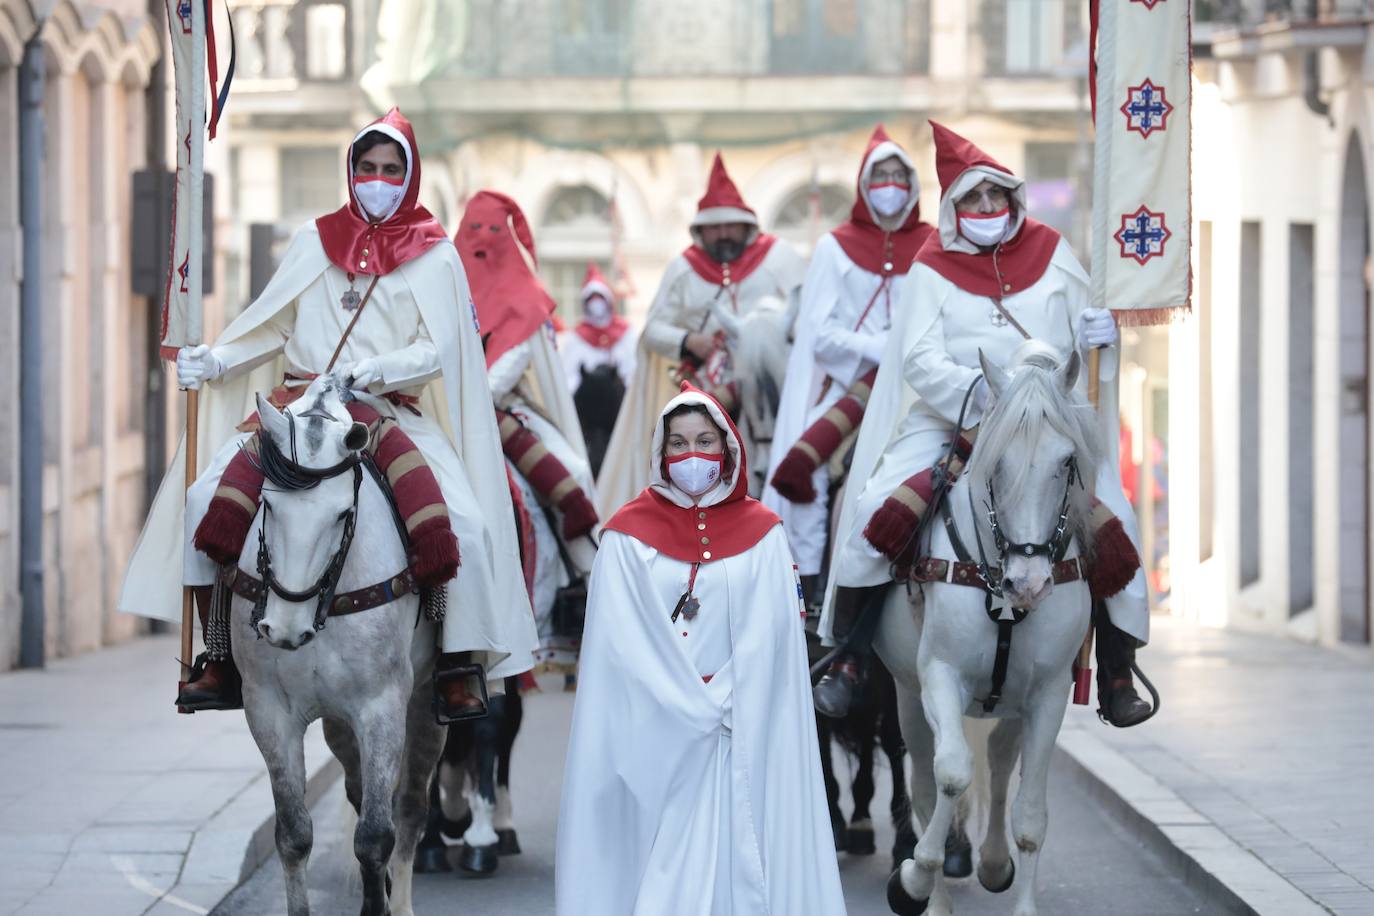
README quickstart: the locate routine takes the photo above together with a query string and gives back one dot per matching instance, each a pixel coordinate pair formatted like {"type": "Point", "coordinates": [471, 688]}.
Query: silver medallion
{"type": "Point", "coordinates": [350, 300]}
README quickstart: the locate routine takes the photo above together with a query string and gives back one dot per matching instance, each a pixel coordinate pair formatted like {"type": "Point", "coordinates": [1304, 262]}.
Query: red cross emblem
{"type": "Point", "coordinates": [1142, 235]}
{"type": "Point", "coordinates": [1146, 108]}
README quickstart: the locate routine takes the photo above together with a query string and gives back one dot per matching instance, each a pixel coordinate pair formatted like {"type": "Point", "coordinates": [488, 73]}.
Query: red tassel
{"type": "Point", "coordinates": [792, 479]}
{"type": "Point", "coordinates": [221, 534]}
{"type": "Point", "coordinates": [579, 515]}
{"type": "Point", "coordinates": [1115, 560]}
{"type": "Point", "coordinates": [434, 557]}
{"type": "Point", "coordinates": [890, 528]}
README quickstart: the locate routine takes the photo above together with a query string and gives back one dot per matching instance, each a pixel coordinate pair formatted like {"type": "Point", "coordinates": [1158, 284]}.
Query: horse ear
{"type": "Point", "coordinates": [995, 375]}
{"type": "Point", "coordinates": [582, 368]}
{"type": "Point", "coordinates": [274, 423]}
{"type": "Point", "coordinates": [1068, 373]}
{"type": "Point", "coordinates": [355, 440]}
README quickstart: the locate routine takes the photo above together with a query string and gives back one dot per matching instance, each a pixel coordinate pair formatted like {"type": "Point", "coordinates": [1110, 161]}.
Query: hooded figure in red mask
{"type": "Point", "coordinates": [540, 434]}
{"type": "Point", "coordinates": [732, 278]}
{"type": "Point", "coordinates": [376, 293]}
{"type": "Point", "coordinates": [847, 305]}
{"type": "Point", "coordinates": [992, 279]}
{"type": "Point", "coordinates": [692, 782]}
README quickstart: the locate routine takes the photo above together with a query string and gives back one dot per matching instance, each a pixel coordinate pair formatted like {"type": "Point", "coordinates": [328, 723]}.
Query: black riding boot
{"type": "Point", "coordinates": [1118, 702]}
{"type": "Point", "coordinates": [214, 681]}
{"type": "Point", "coordinates": [836, 691]}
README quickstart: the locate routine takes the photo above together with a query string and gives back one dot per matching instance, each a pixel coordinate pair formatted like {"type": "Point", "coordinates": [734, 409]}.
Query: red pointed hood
{"type": "Point", "coordinates": [667, 519]}
{"type": "Point", "coordinates": [879, 246]}
{"type": "Point", "coordinates": [493, 240]}
{"type": "Point", "coordinates": [1020, 261]}
{"type": "Point", "coordinates": [596, 284]}
{"type": "Point", "coordinates": [408, 231]}
{"type": "Point", "coordinates": [722, 202]}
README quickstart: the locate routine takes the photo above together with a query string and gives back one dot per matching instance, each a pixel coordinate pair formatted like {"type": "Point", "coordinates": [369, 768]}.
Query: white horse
{"type": "Point", "coordinates": [1020, 496]}
{"type": "Point", "coordinates": [759, 347]}
{"type": "Point", "coordinates": [367, 674]}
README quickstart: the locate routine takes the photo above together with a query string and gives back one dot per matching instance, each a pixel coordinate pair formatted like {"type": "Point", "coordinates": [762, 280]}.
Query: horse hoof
{"type": "Point", "coordinates": [861, 842]}
{"type": "Point", "coordinates": [899, 901]}
{"type": "Point", "coordinates": [507, 844]}
{"type": "Point", "coordinates": [959, 862]}
{"type": "Point", "coordinates": [430, 860]}
{"type": "Point", "coordinates": [1005, 886]}
{"type": "Point", "coordinates": [478, 861]}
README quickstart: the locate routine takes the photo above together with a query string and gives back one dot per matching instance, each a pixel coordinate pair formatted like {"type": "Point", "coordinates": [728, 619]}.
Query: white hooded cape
{"type": "Point", "coordinates": [678, 791]}
{"type": "Point", "coordinates": [459, 400]}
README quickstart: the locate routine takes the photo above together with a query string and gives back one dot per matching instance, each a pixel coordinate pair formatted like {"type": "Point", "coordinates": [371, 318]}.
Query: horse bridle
{"type": "Point", "coordinates": [290, 474]}
{"type": "Point", "coordinates": [1052, 549]}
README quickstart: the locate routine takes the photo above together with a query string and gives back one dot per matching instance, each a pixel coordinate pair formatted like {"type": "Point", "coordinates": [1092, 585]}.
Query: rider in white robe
{"type": "Point", "coordinates": [527, 380]}
{"type": "Point", "coordinates": [601, 338]}
{"type": "Point", "coordinates": [846, 310]}
{"type": "Point", "coordinates": [692, 784]}
{"type": "Point", "coordinates": [680, 315]}
{"type": "Point", "coordinates": [930, 363]}
{"type": "Point", "coordinates": [415, 336]}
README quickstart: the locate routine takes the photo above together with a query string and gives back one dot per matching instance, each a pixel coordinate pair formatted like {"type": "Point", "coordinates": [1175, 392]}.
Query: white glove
{"type": "Point", "coordinates": [1096, 328]}
{"type": "Point", "coordinates": [982, 394]}
{"type": "Point", "coordinates": [873, 346]}
{"type": "Point", "coordinates": [196, 365]}
{"type": "Point", "coordinates": [363, 373]}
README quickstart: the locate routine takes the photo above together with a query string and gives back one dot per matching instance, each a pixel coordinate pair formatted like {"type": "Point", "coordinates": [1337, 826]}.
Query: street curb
{"type": "Point", "coordinates": [1231, 878]}
{"type": "Point", "coordinates": [229, 848]}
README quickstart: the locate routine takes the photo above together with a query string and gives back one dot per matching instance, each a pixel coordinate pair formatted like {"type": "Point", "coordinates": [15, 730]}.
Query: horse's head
{"type": "Point", "coordinates": [309, 456]}
{"type": "Point", "coordinates": [1034, 465]}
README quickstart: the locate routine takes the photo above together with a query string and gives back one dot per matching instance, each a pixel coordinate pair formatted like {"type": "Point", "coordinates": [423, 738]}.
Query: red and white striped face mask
{"type": "Point", "coordinates": [695, 472]}
{"type": "Point", "coordinates": [889, 197]}
{"type": "Point", "coordinates": [985, 230]}
{"type": "Point", "coordinates": [378, 194]}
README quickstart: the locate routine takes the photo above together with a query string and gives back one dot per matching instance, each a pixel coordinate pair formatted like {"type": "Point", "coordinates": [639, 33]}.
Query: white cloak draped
{"type": "Point", "coordinates": [489, 611]}
{"type": "Point", "coordinates": [577, 355]}
{"type": "Point", "coordinates": [686, 798]}
{"type": "Point", "coordinates": [930, 361]}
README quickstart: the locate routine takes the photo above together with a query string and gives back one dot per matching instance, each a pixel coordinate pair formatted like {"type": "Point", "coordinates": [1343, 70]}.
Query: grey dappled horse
{"type": "Point", "coordinates": [366, 674]}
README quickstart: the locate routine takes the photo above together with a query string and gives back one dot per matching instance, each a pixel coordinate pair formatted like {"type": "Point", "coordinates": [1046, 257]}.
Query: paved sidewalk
{"type": "Point", "coordinates": [111, 803]}
{"type": "Point", "coordinates": [1259, 769]}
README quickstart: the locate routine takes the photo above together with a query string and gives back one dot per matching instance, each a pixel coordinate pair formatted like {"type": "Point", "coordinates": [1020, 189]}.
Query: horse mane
{"type": "Point", "coordinates": [1030, 401]}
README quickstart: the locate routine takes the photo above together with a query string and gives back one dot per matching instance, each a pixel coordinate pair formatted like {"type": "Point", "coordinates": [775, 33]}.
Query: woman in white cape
{"type": "Point", "coordinates": [693, 787]}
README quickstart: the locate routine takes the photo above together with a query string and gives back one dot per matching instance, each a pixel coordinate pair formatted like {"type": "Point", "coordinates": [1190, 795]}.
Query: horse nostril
{"type": "Point", "coordinates": [307, 636]}
{"type": "Point", "coordinates": [265, 630]}
{"type": "Point", "coordinates": [1008, 585]}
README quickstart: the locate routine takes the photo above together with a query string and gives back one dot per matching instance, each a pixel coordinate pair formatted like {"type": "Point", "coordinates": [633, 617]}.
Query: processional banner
{"type": "Point", "coordinates": [191, 29]}
{"type": "Point", "coordinates": [1142, 183]}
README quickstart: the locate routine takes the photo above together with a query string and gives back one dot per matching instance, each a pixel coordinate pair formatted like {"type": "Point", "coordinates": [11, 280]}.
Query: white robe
{"type": "Point", "coordinates": [577, 355]}
{"type": "Point", "coordinates": [686, 798]}
{"type": "Point", "coordinates": [528, 381]}
{"type": "Point", "coordinates": [683, 305]}
{"type": "Point", "coordinates": [835, 344]}
{"type": "Point", "coordinates": [421, 324]}
{"type": "Point", "coordinates": [930, 361]}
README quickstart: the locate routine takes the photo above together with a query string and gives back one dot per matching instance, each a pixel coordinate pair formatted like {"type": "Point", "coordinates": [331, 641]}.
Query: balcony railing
{"type": "Point", "coordinates": [1243, 13]}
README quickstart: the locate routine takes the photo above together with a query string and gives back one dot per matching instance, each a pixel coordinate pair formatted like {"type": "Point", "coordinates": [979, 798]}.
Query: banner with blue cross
{"type": "Point", "coordinates": [1142, 192]}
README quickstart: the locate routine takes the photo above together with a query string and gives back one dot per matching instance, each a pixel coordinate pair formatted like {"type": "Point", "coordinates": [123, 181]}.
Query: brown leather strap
{"type": "Point", "coordinates": [930, 569]}
{"type": "Point", "coordinates": [246, 585]}
{"type": "Point", "coordinates": [356, 315]}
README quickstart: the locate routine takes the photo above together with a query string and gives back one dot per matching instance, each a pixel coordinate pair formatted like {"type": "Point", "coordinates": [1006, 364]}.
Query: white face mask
{"type": "Point", "coordinates": [598, 311]}
{"type": "Point", "coordinates": [377, 195]}
{"type": "Point", "coordinates": [888, 198]}
{"type": "Point", "coordinates": [985, 231]}
{"type": "Point", "coordinates": [695, 472]}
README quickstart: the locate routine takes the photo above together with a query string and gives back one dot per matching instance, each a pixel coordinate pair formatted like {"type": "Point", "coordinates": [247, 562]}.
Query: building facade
{"type": "Point", "coordinates": [98, 59]}
{"type": "Point", "coordinates": [1268, 419]}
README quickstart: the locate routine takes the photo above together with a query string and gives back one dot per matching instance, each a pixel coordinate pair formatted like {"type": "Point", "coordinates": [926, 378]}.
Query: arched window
{"type": "Point", "coordinates": [809, 212]}
{"type": "Point", "coordinates": [575, 228]}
